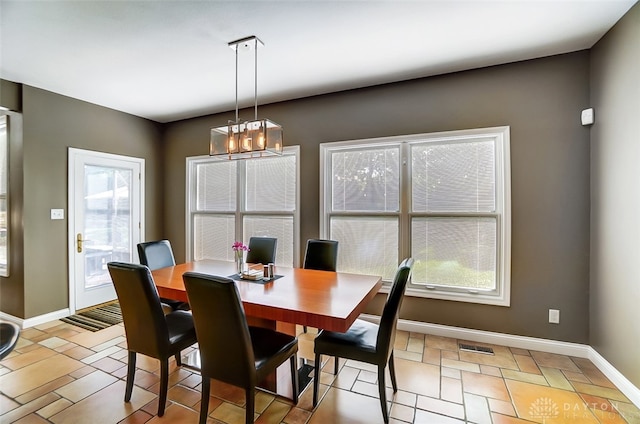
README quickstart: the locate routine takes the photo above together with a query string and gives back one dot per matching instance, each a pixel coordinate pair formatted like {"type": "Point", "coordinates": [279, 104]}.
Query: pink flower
{"type": "Point", "coordinates": [239, 246]}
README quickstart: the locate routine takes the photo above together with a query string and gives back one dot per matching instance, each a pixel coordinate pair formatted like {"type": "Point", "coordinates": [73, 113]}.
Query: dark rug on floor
{"type": "Point", "coordinates": [97, 318]}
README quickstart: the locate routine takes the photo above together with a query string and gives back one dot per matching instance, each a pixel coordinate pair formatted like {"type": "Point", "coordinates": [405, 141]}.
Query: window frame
{"type": "Point", "coordinates": [241, 211]}
{"type": "Point", "coordinates": [501, 138]}
{"type": "Point", "coordinates": [5, 127]}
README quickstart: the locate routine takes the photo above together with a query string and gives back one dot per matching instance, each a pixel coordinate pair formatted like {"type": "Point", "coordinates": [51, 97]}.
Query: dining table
{"type": "Point", "coordinates": [294, 296]}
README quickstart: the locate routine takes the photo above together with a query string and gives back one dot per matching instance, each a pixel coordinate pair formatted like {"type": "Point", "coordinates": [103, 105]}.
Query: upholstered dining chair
{"type": "Point", "coordinates": [148, 330]}
{"type": "Point", "coordinates": [320, 254]}
{"type": "Point", "coordinates": [367, 342]}
{"type": "Point", "coordinates": [262, 250]}
{"type": "Point", "coordinates": [9, 334]}
{"type": "Point", "coordinates": [230, 350]}
{"type": "Point", "coordinates": [159, 254]}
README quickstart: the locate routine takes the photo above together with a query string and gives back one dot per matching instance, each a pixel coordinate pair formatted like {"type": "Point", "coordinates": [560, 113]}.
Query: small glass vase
{"type": "Point", "coordinates": [239, 263]}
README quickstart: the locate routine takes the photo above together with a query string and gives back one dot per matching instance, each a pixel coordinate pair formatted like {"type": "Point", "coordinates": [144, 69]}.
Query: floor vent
{"type": "Point", "coordinates": [476, 349]}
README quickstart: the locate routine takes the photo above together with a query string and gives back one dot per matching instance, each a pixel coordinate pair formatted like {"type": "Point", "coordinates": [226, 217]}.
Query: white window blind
{"type": "Point", "coordinates": [235, 200]}
{"type": "Point", "coordinates": [442, 199]}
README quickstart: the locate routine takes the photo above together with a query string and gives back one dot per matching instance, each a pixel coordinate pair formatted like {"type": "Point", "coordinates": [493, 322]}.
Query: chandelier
{"type": "Point", "coordinates": [246, 139]}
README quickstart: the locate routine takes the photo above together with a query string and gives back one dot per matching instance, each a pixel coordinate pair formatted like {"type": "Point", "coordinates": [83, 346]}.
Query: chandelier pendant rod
{"type": "Point", "coordinates": [255, 82]}
{"type": "Point", "coordinates": [237, 117]}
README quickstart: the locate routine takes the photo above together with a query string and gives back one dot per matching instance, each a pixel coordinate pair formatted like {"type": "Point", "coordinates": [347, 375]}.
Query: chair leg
{"type": "Point", "coordinates": [382, 393]}
{"type": "Point", "coordinates": [304, 328]}
{"type": "Point", "coordinates": [179, 359]}
{"type": "Point", "coordinates": [131, 373]}
{"type": "Point", "coordinates": [316, 379]}
{"type": "Point", "coordinates": [164, 385]}
{"type": "Point", "coordinates": [392, 371]}
{"type": "Point", "coordinates": [250, 395]}
{"type": "Point", "coordinates": [204, 402]}
{"type": "Point", "coordinates": [336, 366]}
{"type": "Point", "coordinates": [294, 378]}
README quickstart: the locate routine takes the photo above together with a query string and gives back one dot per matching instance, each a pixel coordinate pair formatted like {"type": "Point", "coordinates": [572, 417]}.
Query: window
{"type": "Point", "coordinates": [4, 197]}
{"type": "Point", "coordinates": [235, 200]}
{"type": "Point", "coordinates": [443, 199]}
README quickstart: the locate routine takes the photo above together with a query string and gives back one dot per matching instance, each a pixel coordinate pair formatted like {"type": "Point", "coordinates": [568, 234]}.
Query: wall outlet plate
{"type": "Point", "coordinates": [57, 213]}
{"type": "Point", "coordinates": [587, 116]}
{"type": "Point", "coordinates": [554, 316]}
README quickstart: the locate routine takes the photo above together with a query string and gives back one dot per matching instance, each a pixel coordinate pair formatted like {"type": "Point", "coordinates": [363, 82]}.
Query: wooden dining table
{"type": "Point", "coordinates": [312, 298]}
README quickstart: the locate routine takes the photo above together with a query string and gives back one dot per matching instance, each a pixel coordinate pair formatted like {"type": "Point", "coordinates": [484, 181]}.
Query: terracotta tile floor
{"type": "Point", "coordinates": [60, 373]}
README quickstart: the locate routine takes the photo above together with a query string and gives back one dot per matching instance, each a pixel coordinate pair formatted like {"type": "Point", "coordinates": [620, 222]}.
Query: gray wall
{"type": "Point", "coordinates": [540, 99]}
{"type": "Point", "coordinates": [614, 317]}
{"type": "Point", "coordinates": [52, 123]}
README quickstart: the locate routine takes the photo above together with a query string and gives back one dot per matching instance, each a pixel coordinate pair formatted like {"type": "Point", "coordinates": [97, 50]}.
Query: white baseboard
{"type": "Point", "coordinates": [616, 377]}
{"type": "Point", "coordinates": [524, 342]}
{"type": "Point", "coordinates": [40, 319]}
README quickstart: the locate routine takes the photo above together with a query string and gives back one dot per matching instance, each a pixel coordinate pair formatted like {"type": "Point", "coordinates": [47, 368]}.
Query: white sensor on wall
{"type": "Point", "coordinates": [587, 116]}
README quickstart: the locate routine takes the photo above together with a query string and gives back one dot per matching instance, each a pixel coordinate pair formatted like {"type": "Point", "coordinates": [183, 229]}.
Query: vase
{"type": "Point", "coordinates": [239, 263]}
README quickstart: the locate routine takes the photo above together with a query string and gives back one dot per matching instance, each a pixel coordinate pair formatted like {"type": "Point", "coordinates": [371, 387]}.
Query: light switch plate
{"type": "Point", "coordinates": [57, 213]}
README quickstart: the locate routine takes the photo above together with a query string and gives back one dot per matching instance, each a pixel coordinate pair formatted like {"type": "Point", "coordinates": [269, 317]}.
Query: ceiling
{"type": "Point", "coordinates": [167, 60]}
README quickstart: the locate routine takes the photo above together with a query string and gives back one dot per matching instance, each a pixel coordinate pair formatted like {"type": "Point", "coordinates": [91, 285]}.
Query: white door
{"type": "Point", "coordinates": [105, 221]}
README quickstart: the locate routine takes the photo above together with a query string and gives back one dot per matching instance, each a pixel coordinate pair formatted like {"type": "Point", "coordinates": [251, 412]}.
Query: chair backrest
{"type": "Point", "coordinates": [262, 250]}
{"type": "Point", "coordinates": [144, 322]}
{"type": "Point", "coordinates": [321, 254]}
{"type": "Point", "coordinates": [156, 254]}
{"type": "Point", "coordinates": [226, 352]}
{"type": "Point", "coordinates": [389, 318]}
{"type": "Point", "coordinates": [9, 334]}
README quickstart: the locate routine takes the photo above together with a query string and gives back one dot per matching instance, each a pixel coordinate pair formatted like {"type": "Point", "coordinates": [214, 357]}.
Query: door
{"type": "Point", "coordinates": [105, 221]}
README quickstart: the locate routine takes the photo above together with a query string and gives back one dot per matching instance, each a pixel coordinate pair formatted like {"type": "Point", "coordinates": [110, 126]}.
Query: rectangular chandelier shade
{"type": "Point", "coordinates": [246, 140]}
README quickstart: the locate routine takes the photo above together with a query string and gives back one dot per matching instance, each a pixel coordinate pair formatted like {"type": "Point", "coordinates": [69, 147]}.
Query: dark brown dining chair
{"type": "Point", "coordinates": [262, 250]}
{"type": "Point", "coordinates": [322, 255]}
{"type": "Point", "coordinates": [9, 334]}
{"type": "Point", "coordinates": [148, 330]}
{"type": "Point", "coordinates": [368, 342]}
{"type": "Point", "coordinates": [230, 350]}
{"type": "Point", "coordinates": [159, 254]}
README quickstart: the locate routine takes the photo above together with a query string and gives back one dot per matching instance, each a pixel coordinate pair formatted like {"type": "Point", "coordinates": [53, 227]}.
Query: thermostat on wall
{"type": "Point", "coordinates": [587, 116]}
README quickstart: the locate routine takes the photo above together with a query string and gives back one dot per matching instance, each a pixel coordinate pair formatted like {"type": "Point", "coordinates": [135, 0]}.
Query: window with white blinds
{"type": "Point", "coordinates": [443, 199]}
{"type": "Point", "coordinates": [235, 200]}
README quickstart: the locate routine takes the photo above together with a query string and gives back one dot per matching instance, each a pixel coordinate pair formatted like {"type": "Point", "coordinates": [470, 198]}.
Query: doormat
{"type": "Point", "coordinates": [97, 318]}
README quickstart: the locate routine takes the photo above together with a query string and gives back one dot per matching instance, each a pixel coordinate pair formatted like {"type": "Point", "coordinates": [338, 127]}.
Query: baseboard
{"type": "Point", "coordinates": [523, 342]}
{"type": "Point", "coordinates": [616, 377]}
{"type": "Point", "coordinates": [40, 319]}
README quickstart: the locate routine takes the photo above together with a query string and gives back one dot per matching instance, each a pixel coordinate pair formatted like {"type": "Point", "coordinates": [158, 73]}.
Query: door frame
{"type": "Point", "coordinates": [71, 213]}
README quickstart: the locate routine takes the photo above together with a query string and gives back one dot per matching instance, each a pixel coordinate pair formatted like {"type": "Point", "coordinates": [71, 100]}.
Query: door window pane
{"type": "Point", "coordinates": [107, 221]}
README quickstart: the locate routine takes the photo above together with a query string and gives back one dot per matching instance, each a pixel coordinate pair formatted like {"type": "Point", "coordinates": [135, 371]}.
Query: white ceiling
{"type": "Point", "coordinates": [168, 60]}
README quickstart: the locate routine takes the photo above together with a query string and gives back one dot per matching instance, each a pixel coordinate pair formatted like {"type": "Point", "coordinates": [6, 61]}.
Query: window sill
{"type": "Point", "coordinates": [478, 298]}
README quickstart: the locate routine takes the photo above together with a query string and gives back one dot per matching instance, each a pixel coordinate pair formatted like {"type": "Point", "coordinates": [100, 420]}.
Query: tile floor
{"type": "Point", "coordinates": [60, 373]}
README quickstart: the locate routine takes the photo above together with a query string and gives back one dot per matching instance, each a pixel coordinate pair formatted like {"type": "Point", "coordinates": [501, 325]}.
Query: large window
{"type": "Point", "coordinates": [441, 198]}
{"type": "Point", "coordinates": [4, 196]}
{"type": "Point", "coordinates": [235, 200]}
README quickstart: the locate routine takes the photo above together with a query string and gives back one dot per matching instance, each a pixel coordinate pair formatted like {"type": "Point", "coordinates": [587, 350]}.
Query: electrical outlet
{"type": "Point", "coordinates": [554, 316]}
